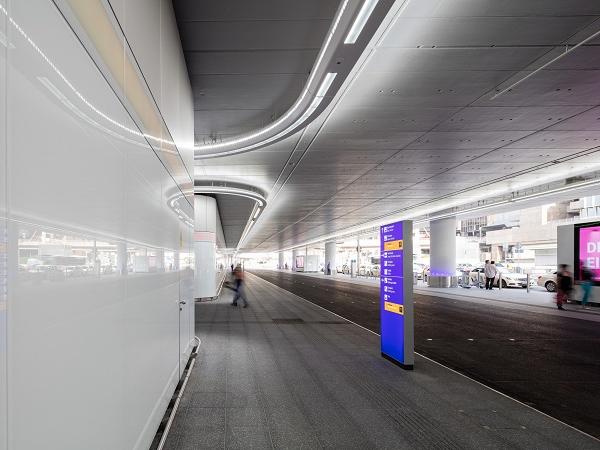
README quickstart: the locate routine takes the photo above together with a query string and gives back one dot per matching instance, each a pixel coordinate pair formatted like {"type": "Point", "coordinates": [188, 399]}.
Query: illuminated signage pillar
{"type": "Point", "coordinates": [396, 289]}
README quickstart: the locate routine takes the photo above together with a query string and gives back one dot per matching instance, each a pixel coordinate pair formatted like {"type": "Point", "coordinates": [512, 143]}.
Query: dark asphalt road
{"type": "Point", "coordinates": [549, 362]}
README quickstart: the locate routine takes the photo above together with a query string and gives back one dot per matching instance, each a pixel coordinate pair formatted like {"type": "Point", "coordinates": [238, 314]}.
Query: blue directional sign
{"type": "Point", "coordinates": [395, 295]}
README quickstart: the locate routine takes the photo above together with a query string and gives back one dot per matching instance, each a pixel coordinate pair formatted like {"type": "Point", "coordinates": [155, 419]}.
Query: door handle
{"type": "Point", "coordinates": [182, 302]}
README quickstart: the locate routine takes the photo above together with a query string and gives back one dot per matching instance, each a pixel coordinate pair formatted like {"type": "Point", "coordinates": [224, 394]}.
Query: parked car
{"type": "Point", "coordinates": [419, 269]}
{"type": "Point", "coordinates": [369, 271]}
{"type": "Point", "coordinates": [548, 280]}
{"type": "Point", "coordinates": [375, 271]}
{"type": "Point", "coordinates": [509, 279]}
{"type": "Point", "coordinates": [345, 269]}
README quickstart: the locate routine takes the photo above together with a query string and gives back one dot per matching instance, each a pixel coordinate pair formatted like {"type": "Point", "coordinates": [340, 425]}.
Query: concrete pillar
{"type": "Point", "coordinates": [160, 260]}
{"type": "Point", "coordinates": [330, 254]}
{"type": "Point", "coordinates": [281, 263]}
{"type": "Point", "coordinates": [443, 253]}
{"type": "Point", "coordinates": [294, 254]}
{"type": "Point", "coordinates": [205, 238]}
{"type": "Point", "coordinates": [122, 258]}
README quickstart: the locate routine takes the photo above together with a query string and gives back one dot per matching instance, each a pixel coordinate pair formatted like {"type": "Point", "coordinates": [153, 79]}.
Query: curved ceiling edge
{"type": "Point", "coordinates": [238, 189]}
{"type": "Point", "coordinates": [352, 28]}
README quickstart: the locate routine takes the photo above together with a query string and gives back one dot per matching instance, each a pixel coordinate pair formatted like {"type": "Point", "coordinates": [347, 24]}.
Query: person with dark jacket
{"type": "Point", "coordinates": [240, 291]}
{"type": "Point", "coordinates": [564, 285]}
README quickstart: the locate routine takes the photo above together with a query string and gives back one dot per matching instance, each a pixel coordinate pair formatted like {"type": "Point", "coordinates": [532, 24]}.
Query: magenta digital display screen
{"type": "Point", "coordinates": [587, 250]}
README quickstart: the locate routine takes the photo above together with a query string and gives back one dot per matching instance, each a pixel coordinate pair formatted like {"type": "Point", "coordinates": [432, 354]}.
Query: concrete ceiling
{"type": "Point", "coordinates": [418, 125]}
{"type": "Point", "coordinates": [234, 212]}
{"type": "Point", "coordinates": [248, 60]}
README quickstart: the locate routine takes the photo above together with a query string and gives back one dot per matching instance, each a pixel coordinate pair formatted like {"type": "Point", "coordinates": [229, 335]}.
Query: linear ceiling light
{"type": "Point", "coordinates": [326, 84]}
{"type": "Point", "coordinates": [360, 21]}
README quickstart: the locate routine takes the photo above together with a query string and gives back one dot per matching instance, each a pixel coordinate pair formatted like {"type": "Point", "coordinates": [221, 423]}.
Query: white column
{"type": "Point", "coordinates": [205, 233]}
{"type": "Point", "coordinates": [442, 252]}
{"type": "Point", "coordinates": [281, 262]}
{"type": "Point", "coordinates": [294, 254]}
{"type": "Point", "coordinates": [330, 253]}
{"type": "Point", "coordinates": [160, 260]}
{"type": "Point", "coordinates": [122, 258]}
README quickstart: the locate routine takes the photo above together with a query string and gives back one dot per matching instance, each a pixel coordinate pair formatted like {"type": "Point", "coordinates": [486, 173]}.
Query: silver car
{"type": "Point", "coordinates": [548, 280]}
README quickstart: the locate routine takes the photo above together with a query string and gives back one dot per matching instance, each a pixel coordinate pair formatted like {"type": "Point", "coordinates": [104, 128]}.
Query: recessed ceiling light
{"type": "Point", "coordinates": [360, 21]}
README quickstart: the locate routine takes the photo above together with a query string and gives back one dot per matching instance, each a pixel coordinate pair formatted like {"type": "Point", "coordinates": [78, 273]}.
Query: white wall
{"type": "Point", "coordinates": [3, 241]}
{"type": "Point", "coordinates": [152, 32]}
{"type": "Point", "coordinates": [93, 355]}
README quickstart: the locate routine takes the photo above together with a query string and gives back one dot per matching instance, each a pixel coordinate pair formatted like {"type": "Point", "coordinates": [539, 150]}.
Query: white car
{"type": "Point", "coordinates": [548, 280]}
{"type": "Point", "coordinates": [509, 279]}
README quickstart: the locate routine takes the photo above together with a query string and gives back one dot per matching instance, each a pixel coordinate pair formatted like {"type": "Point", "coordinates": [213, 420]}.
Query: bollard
{"type": "Point", "coordinates": [500, 282]}
{"type": "Point", "coordinates": [528, 283]}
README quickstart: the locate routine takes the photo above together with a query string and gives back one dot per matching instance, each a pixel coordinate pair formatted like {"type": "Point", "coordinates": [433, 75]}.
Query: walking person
{"type": "Point", "coordinates": [586, 286]}
{"type": "Point", "coordinates": [490, 274]}
{"type": "Point", "coordinates": [239, 287]}
{"type": "Point", "coordinates": [564, 285]}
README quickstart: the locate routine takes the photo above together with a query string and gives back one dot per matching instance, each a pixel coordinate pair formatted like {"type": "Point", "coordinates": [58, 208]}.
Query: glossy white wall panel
{"type": "Point", "coordinates": [93, 355]}
{"type": "Point", "coordinates": [141, 24]}
{"type": "Point", "coordinates": [176, 98]}
{"type": "Point", "coordinates": [60, 398]}
{"type": "Point", "coordinates": [3, 241]}
{"type": "Point", "coordinates": [152, 33]}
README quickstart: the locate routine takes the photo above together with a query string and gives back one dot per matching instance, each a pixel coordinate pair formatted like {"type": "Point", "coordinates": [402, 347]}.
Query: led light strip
{"type": "Point", "coordinates": [296, 105]}
{"type": "Point", "coordinates": [360, 21]}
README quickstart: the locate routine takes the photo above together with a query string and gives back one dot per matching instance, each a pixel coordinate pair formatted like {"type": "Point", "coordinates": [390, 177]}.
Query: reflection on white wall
{"type": "Point", "coordinates": [98, 260]}
{"type": "Point", "coordinates": [4, 46]}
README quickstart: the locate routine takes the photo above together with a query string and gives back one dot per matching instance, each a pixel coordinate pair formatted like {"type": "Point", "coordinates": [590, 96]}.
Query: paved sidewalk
{"type": "Point", "coordinates": [285, 373]}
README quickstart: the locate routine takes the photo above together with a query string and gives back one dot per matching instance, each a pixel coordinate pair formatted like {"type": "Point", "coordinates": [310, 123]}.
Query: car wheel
{"type": "Point", "coordinates": [550, 286]}
{"type": "Point", "coordinates": [504, 284]}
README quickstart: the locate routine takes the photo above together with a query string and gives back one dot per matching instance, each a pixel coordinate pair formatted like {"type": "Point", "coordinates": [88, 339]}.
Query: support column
{"type": "Point", "coordinates": [205, 233]}
{"type": "Point", "coordinates": [122, 258]}
{"type": "Point", "coordinates": [442, 250]}
{"type": "Point", "coordinates": [160, 260]}
{"type": "Point", "coordinates": [330, 254]}
{"type": "Point", "coordinates": [281, 262]}
{"type": "Point", "coordinates": [294, 254]}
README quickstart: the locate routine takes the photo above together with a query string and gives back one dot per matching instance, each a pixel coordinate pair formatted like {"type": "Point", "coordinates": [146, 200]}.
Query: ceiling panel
{"type": "Point", "coordinates": [248, 61]}
{"type": "Point", "coordinates": [243, 10]}
{"type": "Point", "coordinates": [559, 140]}
{"type": "Point", "coordinates": [394, 60]}
{"type": "Point", "coordinates": [587, 121]}
{"type": "Point", "coordinates": [504, 8]}
{"type": "Point", "coordinates": [509, 118]}
{"type": "Point", "coordinates": [484, 31]}
{"type": "Point", "coordinates": [254, 62]}
{"type": "Point", "coordinates": [253, 35]}
{"type": "Point", "coordinates": [550, 87]}
{"type": "Point", "coordinates": [422, 89]}
{"type": "Point", "coordinates": [461, 140]}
